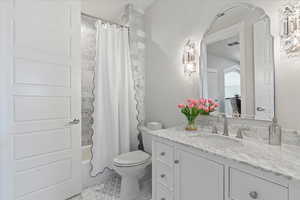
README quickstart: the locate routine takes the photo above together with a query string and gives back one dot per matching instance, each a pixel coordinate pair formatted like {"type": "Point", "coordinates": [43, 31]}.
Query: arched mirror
{"type": "Point", "coordinates": [237, 63]}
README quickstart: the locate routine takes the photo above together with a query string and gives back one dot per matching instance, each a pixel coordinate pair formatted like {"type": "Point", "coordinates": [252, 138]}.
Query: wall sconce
{"type": "Point", "coordinates": [189, 58]}
{"type": "Point", "coordinates": [290, 28]}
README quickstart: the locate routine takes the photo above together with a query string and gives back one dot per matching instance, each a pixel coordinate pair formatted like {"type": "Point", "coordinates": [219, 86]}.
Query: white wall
{"type": "Point", "coordinates": [216, 62]}
{"type": "Point", "coordinates": [5, 142]}
{"type": "Point", "coordinates": [109, 10]}
{"type": "Point", "coordinates": [112, 10]}
{"type": "Point", "coordinates": [169, 24]}
{"type": "Point", "coordinates": [220, 64]}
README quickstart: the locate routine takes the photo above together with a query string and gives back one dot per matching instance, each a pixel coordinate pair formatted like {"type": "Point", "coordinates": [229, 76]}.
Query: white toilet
{"type": "Point", "coordinates": [132, 166]}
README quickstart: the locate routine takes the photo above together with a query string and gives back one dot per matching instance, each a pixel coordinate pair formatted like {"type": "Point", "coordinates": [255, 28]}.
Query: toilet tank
{"type": "Point", "coordinates": [147, 140]}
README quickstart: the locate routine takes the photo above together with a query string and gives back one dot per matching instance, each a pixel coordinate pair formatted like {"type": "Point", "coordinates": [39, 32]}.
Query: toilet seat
{"type": "Point", "coordinates": [130, 159]}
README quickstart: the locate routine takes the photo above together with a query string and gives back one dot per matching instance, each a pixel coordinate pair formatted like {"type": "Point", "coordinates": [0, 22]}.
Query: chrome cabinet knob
{"type": "Point", "coordinates": [162, 153]}
{"type": "Point", "coordinates": [74, 121]}
{"type": "Point", "coordinates": [253, 195]}
{"type": "Point", "coordinates": [162, 175]}
{"type": "Point", "coordinates": [176, 161]}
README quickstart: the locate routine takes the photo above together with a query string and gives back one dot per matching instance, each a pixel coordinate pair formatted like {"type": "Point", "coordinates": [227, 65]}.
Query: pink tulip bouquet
{"type": "Point", "coordinates": [195, 107]}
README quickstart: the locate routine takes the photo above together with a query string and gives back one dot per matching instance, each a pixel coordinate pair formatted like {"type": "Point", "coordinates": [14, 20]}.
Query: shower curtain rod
{"type": "Point", "coordinates": [104, 20]}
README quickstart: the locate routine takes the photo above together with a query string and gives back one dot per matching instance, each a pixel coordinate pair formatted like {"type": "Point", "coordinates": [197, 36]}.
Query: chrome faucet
{"type": "Point", "coordinates": [239, 133]}
{"type": "Point", "coordinates": [225, 130]}
{"type": "Point", "coordinates": [214, 129]}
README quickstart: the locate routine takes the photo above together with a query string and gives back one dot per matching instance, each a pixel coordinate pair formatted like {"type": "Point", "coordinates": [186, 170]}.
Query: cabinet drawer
{"type": "Point", "coordinates": [163, 193]}
{"type": "Point", "coordinates": [164, 175]}
{"type": "Point", "coordinates": [244, 186]}
{"type": "Point", "coordinates": [164, 153]}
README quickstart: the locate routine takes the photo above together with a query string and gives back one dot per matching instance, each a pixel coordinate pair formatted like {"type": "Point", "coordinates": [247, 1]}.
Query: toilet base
{"type": "Point", "coordinates": [130, 175]}
{"type": "Point", "coordinates": [130, 188]}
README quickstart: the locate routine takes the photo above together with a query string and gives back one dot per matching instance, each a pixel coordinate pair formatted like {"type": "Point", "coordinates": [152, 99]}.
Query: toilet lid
{"type": "Point", "coordinates": [132, 158]}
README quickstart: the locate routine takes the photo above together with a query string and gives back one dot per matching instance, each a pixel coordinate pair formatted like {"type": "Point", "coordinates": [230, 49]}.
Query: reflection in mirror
{"type": "Point", "coordinates": [237, 64]}
{"type": "Point", "coordinates": [223, 74]}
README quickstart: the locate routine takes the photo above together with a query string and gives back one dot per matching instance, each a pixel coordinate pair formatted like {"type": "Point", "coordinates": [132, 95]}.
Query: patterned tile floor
{"type": "Point", "coordinates": [110, 190]}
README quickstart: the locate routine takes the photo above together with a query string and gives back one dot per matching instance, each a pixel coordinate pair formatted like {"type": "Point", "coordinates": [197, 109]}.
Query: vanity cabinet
{"type": "Point", "coordinates": [197, 178]}
{"type": "Point", "coordinates": [184, 173]}
{"type": "Point", "coordinates": [179, 175]}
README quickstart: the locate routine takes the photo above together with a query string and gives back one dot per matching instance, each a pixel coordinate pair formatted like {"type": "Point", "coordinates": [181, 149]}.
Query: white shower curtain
{"type": "Point", "coordinates": [115, 106]}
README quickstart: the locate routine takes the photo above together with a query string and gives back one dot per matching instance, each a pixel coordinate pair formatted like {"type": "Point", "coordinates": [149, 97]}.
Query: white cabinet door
{"type": "Point", "coordinates": [244, 186]}
{"type": "Point", "coordinates": [197, 178]}
{"type": "Point", "coordinates": [44, 96]}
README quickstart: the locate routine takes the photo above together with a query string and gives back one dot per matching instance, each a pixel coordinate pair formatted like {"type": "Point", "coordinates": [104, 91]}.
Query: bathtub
{"type": "Point", "coordinates": [86, 154]}
{"type": "Point", "coordinates": [87, 180]}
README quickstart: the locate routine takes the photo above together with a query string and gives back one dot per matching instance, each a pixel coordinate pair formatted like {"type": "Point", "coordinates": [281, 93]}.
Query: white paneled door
{"type": "Point", "coordinates": [44, 99]}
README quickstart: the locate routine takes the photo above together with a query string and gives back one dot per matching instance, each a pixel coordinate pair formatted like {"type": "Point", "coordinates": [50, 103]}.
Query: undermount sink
{"type": "Point", "coordinates": [222, 141]}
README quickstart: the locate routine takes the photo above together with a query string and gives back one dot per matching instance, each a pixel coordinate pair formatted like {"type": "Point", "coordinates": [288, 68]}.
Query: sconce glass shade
{"type": "Point", "coordinates": [290, 28]}
{"type": "Point", "coordinates": [189, 58]}
{"type": "Point", "coordinates": [189, 69]}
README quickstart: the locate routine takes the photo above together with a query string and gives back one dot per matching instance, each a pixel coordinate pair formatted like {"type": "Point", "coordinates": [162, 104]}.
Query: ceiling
{"type": "Point", "coordinates": [222, 49]}
{"type": "Point", "coordinates": [112, 9]}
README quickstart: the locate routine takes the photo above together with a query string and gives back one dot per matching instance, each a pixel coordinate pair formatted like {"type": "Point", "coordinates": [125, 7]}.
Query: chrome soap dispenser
{"type": "Point", "coordinates": [275, 133]}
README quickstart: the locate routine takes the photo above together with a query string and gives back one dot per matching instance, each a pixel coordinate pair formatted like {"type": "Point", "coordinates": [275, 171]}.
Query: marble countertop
{"type": "Point", "coordinates": [281, 160]}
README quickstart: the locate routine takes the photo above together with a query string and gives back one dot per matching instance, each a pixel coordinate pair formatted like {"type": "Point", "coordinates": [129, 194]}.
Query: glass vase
{"type": "Point", "coordinates": [191, 126]}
